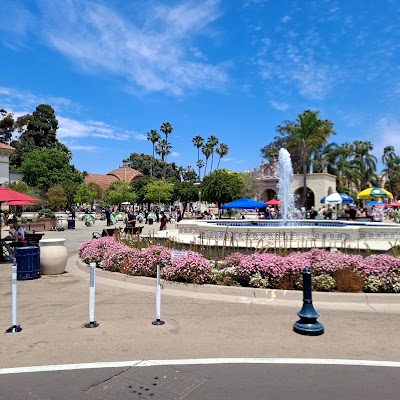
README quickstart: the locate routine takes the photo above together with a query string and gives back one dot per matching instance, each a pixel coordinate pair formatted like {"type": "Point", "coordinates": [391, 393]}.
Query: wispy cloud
{"type": "Point", "coordinates": [21, 102]}
{"type": "Point", "coordinates": [280, 106]}
{"type": "Point", "coordinates": [151, 49]}
{"type": "Point", "coordinates": [386, 133]}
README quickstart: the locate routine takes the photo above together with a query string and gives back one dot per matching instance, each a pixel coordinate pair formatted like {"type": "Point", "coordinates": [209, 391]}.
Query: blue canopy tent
{"type": "Point", "coordinates": [244, 204]}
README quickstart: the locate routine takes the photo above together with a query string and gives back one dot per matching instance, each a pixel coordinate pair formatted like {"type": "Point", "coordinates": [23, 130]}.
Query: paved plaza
{"type": "Point", "coordinates": [217, 343]}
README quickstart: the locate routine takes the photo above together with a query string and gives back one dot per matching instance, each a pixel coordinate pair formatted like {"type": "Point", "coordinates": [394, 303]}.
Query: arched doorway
{"type": "Point", "coordinates": [268, 194]}
{"type": "Point", "coordinates": [298, 198]}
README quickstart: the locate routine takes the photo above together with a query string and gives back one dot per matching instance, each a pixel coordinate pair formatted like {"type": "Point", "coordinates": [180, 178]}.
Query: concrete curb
{"type": "Point", "coordinates": [292, 296]}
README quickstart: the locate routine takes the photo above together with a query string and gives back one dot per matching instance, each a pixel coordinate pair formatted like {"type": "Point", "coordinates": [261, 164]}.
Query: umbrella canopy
{"type": "Point", "coordinates": [7, 194]}
{"type": "Point", "coordinates": [273, 202]}
{"type": "Point", "coordinates": [393, 204]}
{"type": "Point", "coordinates": [374, 203]}
{"type": "Point", "coordinates": [244, 204]}
{"type": "Point", "coordinates": [19, 203]}
{"type": "Point", "coordinates": [337, 198]}
{"type": "Point", "coordinates": [374, 192]}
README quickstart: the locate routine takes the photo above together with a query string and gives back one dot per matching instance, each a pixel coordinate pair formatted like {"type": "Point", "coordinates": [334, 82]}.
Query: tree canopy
{"type": "Point", "coordinates": [221, 186]}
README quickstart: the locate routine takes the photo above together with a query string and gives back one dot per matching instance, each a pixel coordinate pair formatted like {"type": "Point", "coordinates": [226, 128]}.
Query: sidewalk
{"type": "Point", "coordinates": [201, 322]}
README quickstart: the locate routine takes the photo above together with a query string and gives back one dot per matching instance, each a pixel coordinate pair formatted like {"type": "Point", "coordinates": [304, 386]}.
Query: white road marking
{"type": "Point", "coordinates": [201, 361]}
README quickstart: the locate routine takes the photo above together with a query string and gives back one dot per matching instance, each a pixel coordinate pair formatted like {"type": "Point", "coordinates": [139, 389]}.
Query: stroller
{"type": "Point", "coordinates": [89, 219]}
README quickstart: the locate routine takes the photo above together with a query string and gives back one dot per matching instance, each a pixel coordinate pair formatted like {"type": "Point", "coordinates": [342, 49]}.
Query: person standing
{"type": "Point", "coordinates": [108, 216]}
{"type": "Point", "coordinates": [163, 221]}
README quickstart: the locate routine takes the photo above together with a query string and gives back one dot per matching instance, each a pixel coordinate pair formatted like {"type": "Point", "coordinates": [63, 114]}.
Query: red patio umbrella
{"type": "Point", "coordinates": [7, 194]}
{"type": "Point", "coordinates": [19, 203]}
{"type": "Point", "coordinates": [393, 204]}
{"type": "Point", "coordinates": [273, 202]}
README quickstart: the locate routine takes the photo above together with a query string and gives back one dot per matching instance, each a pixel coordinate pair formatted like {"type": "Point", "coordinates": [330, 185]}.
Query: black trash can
{"type": "Point", "coordinates": [71, 224]}
{"type": "Point", "coordinates": [28, 262]}
{"type": "Point", "coordinates": [150, 221]}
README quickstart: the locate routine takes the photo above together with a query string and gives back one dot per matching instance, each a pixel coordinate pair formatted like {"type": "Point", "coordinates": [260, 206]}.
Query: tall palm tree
{"type": "Point", "coordinates": [222, 150]}
{"type": "Point", "coordinates": [304, 135]}
{"type": "Point", "coordinates": [163, 149]}
{"type": "Point", "coordinates": [212, 141]}
{"type": "Point", "coordinates": [364, 163]}
{"type": "Point", "coordinates": [200, 164]}
{"type": "Point", "coordinates": [166, 128]}
{"type": "Point", "coordinates": [387, 158]}
{"type": "Point", "coordinates": [198, 142]}
{"type": "Point", "coordinates": [153, 136]}
{"type": "Point", "coordinates": [207, 151]}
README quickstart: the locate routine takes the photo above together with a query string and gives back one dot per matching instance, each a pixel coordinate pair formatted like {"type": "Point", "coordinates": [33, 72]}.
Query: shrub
{"type": "Point", "coordinates": [46, 213]}
{"type": "Point", "coordinates": [323, 283]}
{"type": "Point", "coordinates": [348, 280]}
{"type": "Point", "coordinates": [258, 281]}
{"type": "Point", "coordinates": [194, 268]}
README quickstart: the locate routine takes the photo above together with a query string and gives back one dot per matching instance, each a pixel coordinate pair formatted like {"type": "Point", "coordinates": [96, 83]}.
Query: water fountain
{"type": "Point", "coordinates": [285, 190]}
{"type": "Point", "coordinates": [286, 232]}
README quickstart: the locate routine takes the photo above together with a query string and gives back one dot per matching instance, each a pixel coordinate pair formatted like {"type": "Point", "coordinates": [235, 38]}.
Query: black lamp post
{"type": "Point", "coordinates": [308, 324]}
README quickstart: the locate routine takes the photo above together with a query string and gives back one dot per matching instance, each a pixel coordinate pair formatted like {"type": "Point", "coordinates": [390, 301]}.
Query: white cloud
{"type": "Point", "coordinates": [154, 54]}
{"type": "Point", "coordinates": [175, 154]}
{"type": "Point", "coordinates": [280, 106]}
{"type": "Point", "coordinates": [386, 133]}
{"type": "Point", "coordinates": [141, 137]}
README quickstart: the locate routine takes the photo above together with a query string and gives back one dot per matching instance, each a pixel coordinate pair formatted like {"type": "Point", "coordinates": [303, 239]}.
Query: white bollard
{"type": "Point", "coordinates": [92, 289]}
{"type": "Point", "coordinates": [14, 327]}
{"type": "Point", "coordinates": [158, 299]}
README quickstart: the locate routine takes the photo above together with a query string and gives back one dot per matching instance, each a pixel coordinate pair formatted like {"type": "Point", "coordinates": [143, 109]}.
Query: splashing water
{"type": "Point", "coordinates": [285, 190]}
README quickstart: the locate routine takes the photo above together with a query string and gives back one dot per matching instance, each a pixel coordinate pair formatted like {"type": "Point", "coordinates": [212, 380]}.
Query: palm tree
{"type": "Point", "coordinates": [163, 149]}
{"type": "Point", "coordinates": [364, 164]}
{"type": "Point", "coordinates": [153, 136]}
{"type": "Point", "coordinates": [198, 142]}
{"type": "Point", "coordinates": [166, 128]}
{"type": "Point", "coordinates": [305, 135]}
{"type": "Point", "coordinates": [387, 158]}
{"type": "Point", "coordinates": [200, 164]}
{"type": "Point", "coordinates": [207, 151]}
{"type": "Point", "coordinates": [212, 141]}
{"type": "Point", "coordinates": [222, 150]}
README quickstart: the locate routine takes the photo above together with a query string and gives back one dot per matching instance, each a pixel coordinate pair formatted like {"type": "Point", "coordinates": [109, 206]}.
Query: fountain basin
{"type": "Point", "coordinates": [255, 233]}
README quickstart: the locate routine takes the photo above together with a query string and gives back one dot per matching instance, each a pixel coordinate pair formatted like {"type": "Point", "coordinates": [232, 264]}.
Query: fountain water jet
{"type": "Point", "coordinates": [285, 190]}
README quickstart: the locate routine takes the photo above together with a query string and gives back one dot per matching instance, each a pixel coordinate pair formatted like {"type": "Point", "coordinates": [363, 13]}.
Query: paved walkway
{"type": "Point", "coordinates": [201, 323]}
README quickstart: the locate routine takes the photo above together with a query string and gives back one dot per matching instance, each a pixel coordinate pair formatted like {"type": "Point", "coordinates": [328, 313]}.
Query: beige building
{"type": "Point", "coordinates": [266, 180]}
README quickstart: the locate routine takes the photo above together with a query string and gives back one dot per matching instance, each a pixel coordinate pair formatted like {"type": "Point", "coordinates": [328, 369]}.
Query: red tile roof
{"type": "Point", "coordinates": [124, 173]}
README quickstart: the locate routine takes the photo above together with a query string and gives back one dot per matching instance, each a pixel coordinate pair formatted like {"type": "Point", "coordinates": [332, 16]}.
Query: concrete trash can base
{"type": "Point", "coordinates": [28, 262]}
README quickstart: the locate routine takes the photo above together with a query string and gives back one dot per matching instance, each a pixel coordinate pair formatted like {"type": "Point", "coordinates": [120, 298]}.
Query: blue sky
{"type": "Point", "coordinates": [113, 70]}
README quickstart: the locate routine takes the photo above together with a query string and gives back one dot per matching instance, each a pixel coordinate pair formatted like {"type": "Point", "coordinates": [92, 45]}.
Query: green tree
{"type": "Point", "coordinates": [7, 126]}
{"type": "Point", "coordinates": [198, 141]}
{"type": "Point", "coordinates": [186, 192]}
{"type": "Point", "coordinates": [222, 150]}
{"type": "Point", "coordinates": [46, 167]}
{"type": "Point", "coordinates": [154, 137]}
{"type": "Point", "coordinates": [143, 162]}
{"type": "Point", "coordinates": [200, 164]}
{"type": "Point", "coordinates": [166, 128]}
{"type": "Point", "coordinates": [364, 164]}
{"type": "Point", "coordinates": [40, 132]}
{"type": "Point", "coordinates": [221, 187]}
{"type": "Point", "coordinates": [304, 135]}
{"type": "Point", "coordinates": [212, 141]}
{"type": "Point", "coordinates": [139, 188]}
{"type": "Point", "coordinates": [56, 197]}
{"type": "Point", "coordinates": [207, 150]}
{"type": "Point", "coordinates": [159, 192]}
{"type": "Point", "coordinates": [84, 195]}
{"type": "Point", "coordinates": [119, 192]}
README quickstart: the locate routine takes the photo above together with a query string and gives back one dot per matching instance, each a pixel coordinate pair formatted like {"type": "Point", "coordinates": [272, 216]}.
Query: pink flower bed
{"type": "Point", "coordinates": [112, 255]}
